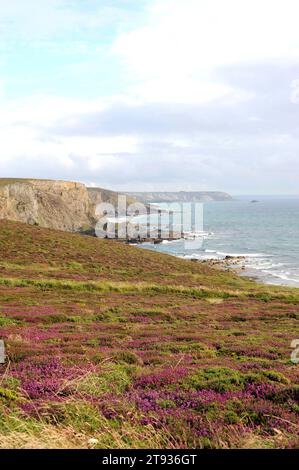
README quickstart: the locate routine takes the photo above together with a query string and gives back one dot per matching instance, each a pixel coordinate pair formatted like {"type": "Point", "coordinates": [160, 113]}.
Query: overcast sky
{"type": "Point", "coordinates": [152, 94]}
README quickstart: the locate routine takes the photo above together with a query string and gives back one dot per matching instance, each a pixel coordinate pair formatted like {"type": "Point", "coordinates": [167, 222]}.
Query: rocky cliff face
{"type": "Point", "coordinates": [71, 207]}
{"type": "Point", "coordinates": [53, 204]}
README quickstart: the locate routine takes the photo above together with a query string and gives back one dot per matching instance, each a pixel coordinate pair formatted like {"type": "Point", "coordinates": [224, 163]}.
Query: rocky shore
{"type": "Point", "coordinates": [229, 263]}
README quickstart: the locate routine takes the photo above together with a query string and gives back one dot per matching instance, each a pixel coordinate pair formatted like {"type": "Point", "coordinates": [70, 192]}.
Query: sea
{"type": "Point", "coordinates": [262, 229]}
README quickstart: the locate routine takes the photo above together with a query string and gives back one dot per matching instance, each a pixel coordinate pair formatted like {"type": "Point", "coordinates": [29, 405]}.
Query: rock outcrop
{"type": "Point", "coordinates": [53, 204]}
{"type": "Point", "coordinates": [61, 205]}
{"type": "Point", "coordinates": [71, 206]}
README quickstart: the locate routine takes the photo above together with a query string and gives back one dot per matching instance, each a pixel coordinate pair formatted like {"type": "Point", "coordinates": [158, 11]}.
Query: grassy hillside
{"type": "Point", "coordinates": [138, 349]}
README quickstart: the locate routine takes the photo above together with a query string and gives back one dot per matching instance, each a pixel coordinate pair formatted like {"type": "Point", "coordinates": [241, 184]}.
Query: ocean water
{"type": "Point", "coordinates": [266, 233]}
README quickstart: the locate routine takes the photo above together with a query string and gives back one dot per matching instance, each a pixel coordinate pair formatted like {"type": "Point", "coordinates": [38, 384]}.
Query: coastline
{"type": "Point", "coordinates": [241, 265]}
{"type": "Point", "coordinates": [231, 264]}
{"type": "Point", "coordinates": [238, 265]}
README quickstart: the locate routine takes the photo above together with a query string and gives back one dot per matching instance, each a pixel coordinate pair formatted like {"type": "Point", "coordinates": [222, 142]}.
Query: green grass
{"type": "Point", "coordinates": [137, 349]}
{"type": "Point", "coordinates": [268, 295]}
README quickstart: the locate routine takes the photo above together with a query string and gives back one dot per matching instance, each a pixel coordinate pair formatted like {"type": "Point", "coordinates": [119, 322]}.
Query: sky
{"type": "Point", "coordinates": [161, 95]}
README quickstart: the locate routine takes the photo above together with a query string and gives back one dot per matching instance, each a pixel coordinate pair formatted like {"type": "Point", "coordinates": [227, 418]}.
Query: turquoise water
{"type": "Point", "coordinates": [266, 233]}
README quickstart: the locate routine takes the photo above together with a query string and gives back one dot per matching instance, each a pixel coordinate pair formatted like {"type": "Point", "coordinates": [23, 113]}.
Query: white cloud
{"type": "Point", "coordinates": [201, 110]}
{"type": "Point", "coordinates": [171, 58]}
{"type": "Point", "coordinates": [182, 90]}
{"type": "Point", "coordinates": [25, 136]}
{"type": "Point", "coordinates": [187, 36]}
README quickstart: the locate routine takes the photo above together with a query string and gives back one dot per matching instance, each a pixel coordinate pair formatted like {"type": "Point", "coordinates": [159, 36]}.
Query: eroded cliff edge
{"type": "Point", "coordinates": [61, 205]}
{"type": "Point", "coordinates": [71, 206]}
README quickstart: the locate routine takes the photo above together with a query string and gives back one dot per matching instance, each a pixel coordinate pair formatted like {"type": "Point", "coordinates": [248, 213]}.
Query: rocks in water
{"type": "Point", "coordinates": [226, 263]}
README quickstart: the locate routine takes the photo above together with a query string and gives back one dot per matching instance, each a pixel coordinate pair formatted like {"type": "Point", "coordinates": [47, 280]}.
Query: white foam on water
{"type": "Point", "coordinates": [198, 234]}
{"type": "Point", "coordinates": [266, 267]}
{"type": "Point", "coordinates": [286, 278]}
{"type": "Point", "coordinates": [242, 255]}
{"type": "Point", "coordinates": [271, 272]}
{"type": "Point", "coordinates": [202, 256]}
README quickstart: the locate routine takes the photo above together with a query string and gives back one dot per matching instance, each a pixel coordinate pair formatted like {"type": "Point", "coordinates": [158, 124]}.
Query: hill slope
{"type": "Point", "coordinates": [138, 349]}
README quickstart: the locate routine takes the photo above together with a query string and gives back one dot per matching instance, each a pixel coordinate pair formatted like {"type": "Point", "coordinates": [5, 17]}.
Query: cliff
{"type": "Point", "coordinates": [60, 205]}
{"type": "Point", "coordinates": [71, 206]}
{"type": "Point", "coordinates": [180, 196]}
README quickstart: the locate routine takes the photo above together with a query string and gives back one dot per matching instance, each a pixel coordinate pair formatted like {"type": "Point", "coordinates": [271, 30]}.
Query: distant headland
{"type": "Point", "coordinates": [180, 196]}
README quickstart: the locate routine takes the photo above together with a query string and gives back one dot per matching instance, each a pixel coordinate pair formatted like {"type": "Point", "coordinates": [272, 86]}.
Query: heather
{"type": "Point", "coordinates": [138, 349]}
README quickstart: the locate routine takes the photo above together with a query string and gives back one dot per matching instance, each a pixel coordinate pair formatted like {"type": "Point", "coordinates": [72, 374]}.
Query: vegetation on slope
{"type": "Point", "coordinates": [113, 346]}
